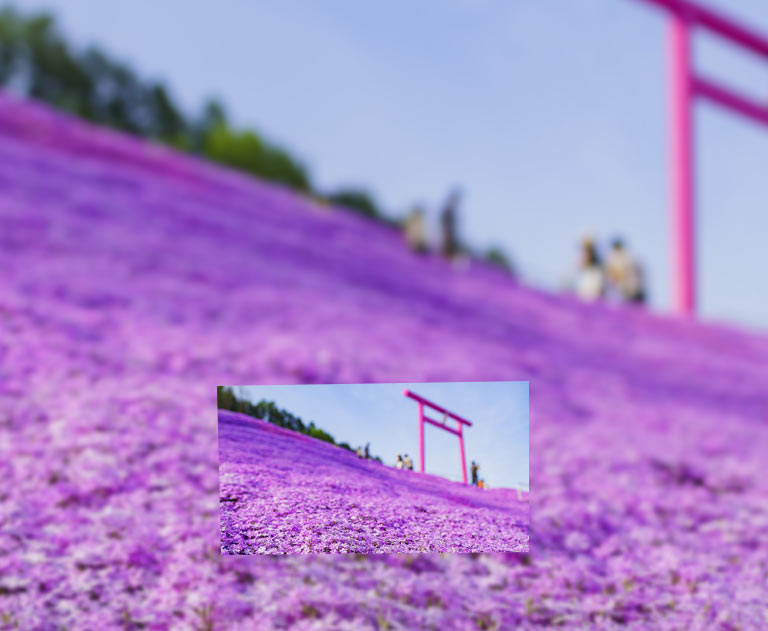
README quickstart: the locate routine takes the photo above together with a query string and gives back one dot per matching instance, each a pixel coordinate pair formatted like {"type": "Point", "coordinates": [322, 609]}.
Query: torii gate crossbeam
{"type": "Point", "coordinates": [460, 422]}
{"type": "Point", "coordinates": [685, 86]}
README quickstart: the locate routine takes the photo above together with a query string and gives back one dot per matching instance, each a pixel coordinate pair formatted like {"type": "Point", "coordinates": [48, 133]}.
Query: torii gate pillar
{"type": "Point", "coordinates": [463, 457]}
{"type": "Point", "coordinates": [681, 157]}
{"type": "Point", "coordinates": [421, 437]}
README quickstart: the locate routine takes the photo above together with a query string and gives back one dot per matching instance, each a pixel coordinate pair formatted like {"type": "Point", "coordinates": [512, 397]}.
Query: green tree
{"type": "Point", "coordinates": [226, 398]}
{"type": "Point", "coordinates": [37, 61]}
{"type": "Point", "coordinates": [497, 256]}
{"type": "Point", "coordinates": [357, 200]}
{"type": "Point", "coordinates": [269, 411]}
{"type": "Point", "coordinates": [247, 151]}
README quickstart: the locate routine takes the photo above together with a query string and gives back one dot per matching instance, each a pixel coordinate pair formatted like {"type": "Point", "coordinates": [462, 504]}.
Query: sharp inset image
{"type": "Point", "coordinates": [374, 468]}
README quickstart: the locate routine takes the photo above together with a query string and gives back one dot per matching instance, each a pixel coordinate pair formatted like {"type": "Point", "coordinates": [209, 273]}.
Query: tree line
{"type": "Point", "coordinates": [269, 411]}
{"type": "Point", "coordinates": [38, 62]}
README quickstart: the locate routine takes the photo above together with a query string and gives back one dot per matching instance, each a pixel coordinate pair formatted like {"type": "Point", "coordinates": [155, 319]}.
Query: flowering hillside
{"type": "Point", "coordinates": [134, 280]}
{"type": "Point", "coordinates": [282, 492]}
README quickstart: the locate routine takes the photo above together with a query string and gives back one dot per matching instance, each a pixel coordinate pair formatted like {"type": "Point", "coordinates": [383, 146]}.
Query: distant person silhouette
{"type": "Point", "coordinates": [407, 463]}
{"type": "Point", "coordinates": [367, 451]}
{"type": "Point", "coordinates": [475, 467]}
{"type": "Point", "coordinates": [624, 274]}
{"type": "Point", "coordinates": [590, 278]}
{"type": "Point", "coordinates": [449, 245]}
{"type": "Point", "coordinates": [415, 234]}
{"type": "Point", "coordinates": [399, 464]}
{"type": "Point", "coordinates": [359, 452]}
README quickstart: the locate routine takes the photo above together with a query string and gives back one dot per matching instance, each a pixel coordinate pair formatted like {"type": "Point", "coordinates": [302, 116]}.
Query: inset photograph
{"type": "Point", "coordinates": [374, 468]}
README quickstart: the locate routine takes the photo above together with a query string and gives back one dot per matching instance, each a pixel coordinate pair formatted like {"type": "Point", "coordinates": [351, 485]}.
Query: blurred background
{"type": "Point", "coordinates": [133, 279]}
{"type": "Point", "coordinates": [538, 123]}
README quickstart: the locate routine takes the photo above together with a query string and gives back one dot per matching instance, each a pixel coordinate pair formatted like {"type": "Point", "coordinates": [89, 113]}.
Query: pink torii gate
{"type": "Point", "coordinates": [685, 86]}
{"type": "Point", "coordinates": [460, 422]}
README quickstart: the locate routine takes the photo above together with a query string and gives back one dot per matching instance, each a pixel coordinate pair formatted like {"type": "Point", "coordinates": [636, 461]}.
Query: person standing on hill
{"type": "Point", "coordinates": [399, 464]}
{"type": "Point", "coordinates": [359, 452]}
{"type": "Point", "coordinates": [624, 273]}
{"type": "Point", "coordinates": [449, 244]}
{"type": "Point", "coordinates": [590, 278]}
{"type": "Point", "coordinates": [475, 467]}
{"type": "Point", "coordinates": [415, 234]}
{"type": "Point", "coordinates": [367, 451]}
{"type": "Point", "coordinates": [407, 463]}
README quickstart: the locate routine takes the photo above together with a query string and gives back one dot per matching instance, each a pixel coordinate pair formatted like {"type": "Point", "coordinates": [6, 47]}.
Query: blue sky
{"type": "Point", "coordinates": [551, 115]}
{"type": "Point", "coordinates": [380, 414]}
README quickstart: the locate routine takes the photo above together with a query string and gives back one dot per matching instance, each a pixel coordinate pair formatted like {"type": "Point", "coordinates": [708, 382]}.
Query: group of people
{"type": "Point", "coordinates": [620, 276]}
{"type": "Point", "coordinates": [364, 453]}
{"type": "Point", "coordinates": [476, 480]}
{"type": "Point", "coordinates": [404, 462]}
{"type": "Point", "coordinates": [416, 234]}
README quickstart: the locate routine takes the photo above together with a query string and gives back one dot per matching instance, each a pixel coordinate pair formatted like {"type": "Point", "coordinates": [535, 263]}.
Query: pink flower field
{"type": "Point", "coordinates": [134, 280]}
{"type": "Point", "coordinates": [285, 493]}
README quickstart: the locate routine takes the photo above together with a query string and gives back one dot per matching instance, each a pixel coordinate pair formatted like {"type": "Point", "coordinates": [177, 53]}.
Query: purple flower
{"type": "Point", "coordinates": [134, 279]}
